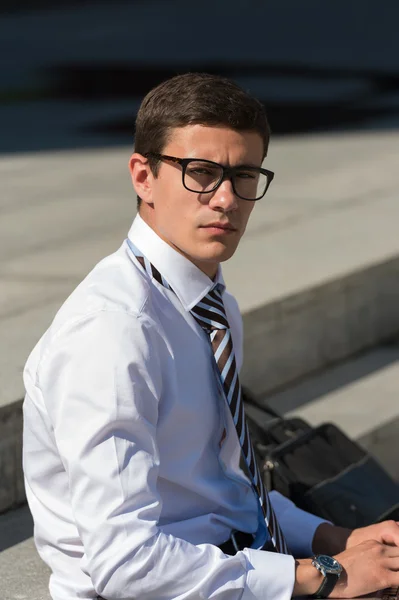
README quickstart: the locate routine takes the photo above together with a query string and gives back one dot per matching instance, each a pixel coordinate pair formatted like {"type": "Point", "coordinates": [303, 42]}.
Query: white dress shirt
{"type": "Point", "coordinates": [131, 457]}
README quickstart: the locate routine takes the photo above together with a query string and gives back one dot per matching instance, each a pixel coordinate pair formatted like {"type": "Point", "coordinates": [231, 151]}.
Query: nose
{"type": "Point", "coordinates": [224, 198]}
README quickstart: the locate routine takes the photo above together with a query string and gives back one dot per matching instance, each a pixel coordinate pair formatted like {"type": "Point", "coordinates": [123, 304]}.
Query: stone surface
{"type": "Point", "coordinates": [16, 526]}
{"type": "Point", "coordinates": [307, 331]}
{"type": "Point", "coordinates": [360, 395]}
{"type": "Point", "coordinates": [23, 575]}
{"type": "Point", "coordinates": [305, 259]}
{"type": "Point", "coordinates": [11, 480]}
{"type": "Point", "coordinates": [316, 274]}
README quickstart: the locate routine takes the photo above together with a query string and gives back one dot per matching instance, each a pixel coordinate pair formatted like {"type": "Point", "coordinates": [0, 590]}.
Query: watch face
{"type": "Point", "coordinates": [329, 563]}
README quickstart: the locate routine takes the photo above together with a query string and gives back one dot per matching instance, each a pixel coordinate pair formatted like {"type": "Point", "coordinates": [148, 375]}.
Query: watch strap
{"type": "Point", "coordinates": [327, 586]}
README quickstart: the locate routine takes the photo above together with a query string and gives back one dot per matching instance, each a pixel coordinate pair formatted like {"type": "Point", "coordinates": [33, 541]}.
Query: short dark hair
{"type": "Point", "coordinates": [192, 99]}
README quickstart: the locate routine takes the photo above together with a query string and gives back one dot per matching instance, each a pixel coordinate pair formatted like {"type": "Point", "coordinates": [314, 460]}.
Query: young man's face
{"type": "Point", "coordinates": [206, 228]}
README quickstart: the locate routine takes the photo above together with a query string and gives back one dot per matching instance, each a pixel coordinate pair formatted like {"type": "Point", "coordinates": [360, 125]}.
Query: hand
{"type": "Point", "coordinates": [367, 567]}
{"type": "Point", "coordinates": [331, 539]}
{"type": "Point", "coordinates": [386, 532]}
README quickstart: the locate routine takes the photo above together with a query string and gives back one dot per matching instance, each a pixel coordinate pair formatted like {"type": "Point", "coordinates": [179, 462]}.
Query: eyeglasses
{"type": "Point", "coordinates": [204, 176]}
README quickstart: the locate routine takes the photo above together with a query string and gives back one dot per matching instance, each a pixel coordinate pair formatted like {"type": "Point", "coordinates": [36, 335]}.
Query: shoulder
{"type": "Point", "coordinates": [114, 284]}
{"type": "Point", "coordinates": [114, 300]}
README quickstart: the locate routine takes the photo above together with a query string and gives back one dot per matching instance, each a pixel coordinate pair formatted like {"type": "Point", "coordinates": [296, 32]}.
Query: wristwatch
{"type": "Point", "coordinates": [331, 570]}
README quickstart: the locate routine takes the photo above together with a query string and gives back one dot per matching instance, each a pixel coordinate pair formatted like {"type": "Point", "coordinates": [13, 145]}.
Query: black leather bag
{"type": "Point", "coordinates": [321, 469]}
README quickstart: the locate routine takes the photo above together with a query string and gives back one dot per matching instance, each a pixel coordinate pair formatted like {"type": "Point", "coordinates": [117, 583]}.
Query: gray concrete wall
{"type": "Point", "coordinates": [317, 327]}
{"type": "Point", "coordinates": [11, 478]}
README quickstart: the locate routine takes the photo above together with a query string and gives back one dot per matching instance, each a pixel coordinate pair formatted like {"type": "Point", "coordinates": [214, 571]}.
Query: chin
{"type": "Point", "coordinates": [221, 255]}
{"type": "Point", "coordinates": [212, 253]}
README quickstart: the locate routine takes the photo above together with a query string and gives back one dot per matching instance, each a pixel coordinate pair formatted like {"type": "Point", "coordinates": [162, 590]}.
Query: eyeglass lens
{"type": "Point", "coordinates": [201, 176]}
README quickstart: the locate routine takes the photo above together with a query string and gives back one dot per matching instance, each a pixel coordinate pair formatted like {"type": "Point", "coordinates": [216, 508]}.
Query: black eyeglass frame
{"type": "Point", "coordinates": [227, 172]}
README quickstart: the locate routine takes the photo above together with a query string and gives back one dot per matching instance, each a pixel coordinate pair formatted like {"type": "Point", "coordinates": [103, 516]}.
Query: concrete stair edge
{"type": "Point", "coordinates": [285, 340]}
{"type": "Point", "coordinates": [23, 557]}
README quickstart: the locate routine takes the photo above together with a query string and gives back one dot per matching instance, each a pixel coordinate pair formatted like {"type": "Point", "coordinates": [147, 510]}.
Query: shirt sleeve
{"type": "Point", "coordinates": [102, 384]}
{"type": "Point", "coordinates": [298, 525]}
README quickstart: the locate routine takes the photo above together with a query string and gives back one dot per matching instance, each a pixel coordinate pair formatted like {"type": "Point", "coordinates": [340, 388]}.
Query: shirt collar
{"type": "Point", "coordinates": [188, 282]}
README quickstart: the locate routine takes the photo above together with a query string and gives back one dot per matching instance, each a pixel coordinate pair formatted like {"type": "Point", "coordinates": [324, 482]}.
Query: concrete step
{"type": "Point", "coordinates": [316, 275]}
{"type": "Point", "coordinates": [23, 575]}
{"type": "Point", "coordinates": [359, 395]}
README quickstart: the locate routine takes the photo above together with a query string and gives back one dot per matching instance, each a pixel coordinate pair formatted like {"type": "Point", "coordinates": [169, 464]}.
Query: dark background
{"type": "Point", "coordinates": [73, 76]}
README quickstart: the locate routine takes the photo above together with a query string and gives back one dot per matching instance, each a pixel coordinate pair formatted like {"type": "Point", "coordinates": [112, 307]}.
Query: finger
{"type": "Point", "coordinates": [391, 563]}
{"type": "Point", "coordinates": [390, 534]}
{"type": "Point", "coordinates": [394, 580]}
{"type": "Point", "coordinates": [391, 540]}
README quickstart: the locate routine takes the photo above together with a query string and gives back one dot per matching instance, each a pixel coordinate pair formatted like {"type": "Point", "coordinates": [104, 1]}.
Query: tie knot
{"type": "Point", "coordinates": [210, 312]}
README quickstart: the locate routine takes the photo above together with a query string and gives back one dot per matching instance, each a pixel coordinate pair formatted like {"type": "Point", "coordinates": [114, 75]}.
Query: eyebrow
{"type": "Point", "coordinates": [248, 165]}
{"type": "Point", "coordinates": [239, 166]}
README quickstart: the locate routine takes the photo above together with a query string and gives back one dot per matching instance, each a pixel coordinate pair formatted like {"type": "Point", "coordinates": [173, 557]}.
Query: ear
{"type": "Point", "coordinates": [142, 177]}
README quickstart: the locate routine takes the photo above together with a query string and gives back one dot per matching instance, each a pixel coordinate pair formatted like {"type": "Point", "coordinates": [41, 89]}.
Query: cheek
{"type": "Point", "coordinates": [166, 192]}
{"type": "Point", "coordinates": [175, 214]}
{"type": "Point", "coordinates": [246, 213]}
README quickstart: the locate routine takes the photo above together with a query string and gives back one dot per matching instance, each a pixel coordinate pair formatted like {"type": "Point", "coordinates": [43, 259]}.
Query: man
{"type": "Point", "coordinates": [133, 416]}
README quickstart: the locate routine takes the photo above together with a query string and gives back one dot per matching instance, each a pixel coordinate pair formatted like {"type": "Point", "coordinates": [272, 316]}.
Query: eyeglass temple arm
{"type": "Point", "coordinates": [172, 158]}
{"type": "Point", "coordinates": [165, 156]}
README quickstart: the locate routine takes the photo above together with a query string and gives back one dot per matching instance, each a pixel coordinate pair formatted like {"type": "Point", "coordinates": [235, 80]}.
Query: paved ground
{"type": "Point", "coordinates": [360, 382]}
{"type": "Point", "coordinates": [316, 276]}
{"type": "Point", "coordinates": [360, 396]}
{"type": "Point", "coordinates": [328, 214]}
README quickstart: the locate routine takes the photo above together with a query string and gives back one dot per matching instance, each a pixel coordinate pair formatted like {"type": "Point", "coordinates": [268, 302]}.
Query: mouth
{"type": "Point", "coordinates": [220, 227]}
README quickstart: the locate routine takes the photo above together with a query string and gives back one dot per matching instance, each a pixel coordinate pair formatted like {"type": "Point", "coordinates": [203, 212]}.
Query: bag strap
{"type": "Point", "coordinates": [249, 398]}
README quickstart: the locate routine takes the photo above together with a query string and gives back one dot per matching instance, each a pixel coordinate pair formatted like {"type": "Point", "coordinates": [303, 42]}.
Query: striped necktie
{"type": "Point", "coordinates": [210, 314]}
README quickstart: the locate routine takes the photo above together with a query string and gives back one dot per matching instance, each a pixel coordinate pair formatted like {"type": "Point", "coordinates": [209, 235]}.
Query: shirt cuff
{"type": "Point", "coordinates": [270, 576]}
{"type": "Point", "coordinates": [298, 525]}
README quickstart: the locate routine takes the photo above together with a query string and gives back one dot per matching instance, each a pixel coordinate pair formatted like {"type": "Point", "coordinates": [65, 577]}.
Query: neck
{"type": "Point", "coordinates": [210, 269]}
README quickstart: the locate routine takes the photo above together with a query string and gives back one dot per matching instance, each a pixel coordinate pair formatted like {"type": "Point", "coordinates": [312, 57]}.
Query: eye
{"type": "Point", "coordinates": [200, 171]}
{"type": "Point", "coordinates": [247, 174]}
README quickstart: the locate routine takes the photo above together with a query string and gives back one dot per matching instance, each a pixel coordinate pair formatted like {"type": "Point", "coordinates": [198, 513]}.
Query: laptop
{"type": "Point", "coordinates": [387, 594]}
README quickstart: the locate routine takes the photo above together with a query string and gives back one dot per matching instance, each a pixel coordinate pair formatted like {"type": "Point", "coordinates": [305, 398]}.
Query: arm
{"type": "Point", "coordinates": [331, 539]}
{"type": "Point", "coordinates": [102, 385]}
{"type": "Point", "coordinates": [300, 528]}
{"type": "Point", "coordinates": [369, 555]}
